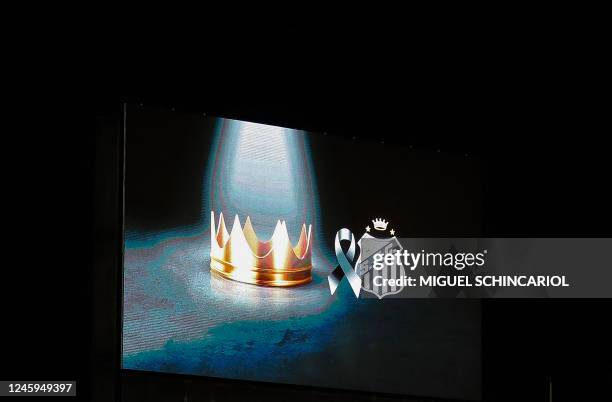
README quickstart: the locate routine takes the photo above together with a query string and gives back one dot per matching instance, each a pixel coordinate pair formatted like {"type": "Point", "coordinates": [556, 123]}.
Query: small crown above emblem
{"type": "Point", "coordinates": [380, 224]}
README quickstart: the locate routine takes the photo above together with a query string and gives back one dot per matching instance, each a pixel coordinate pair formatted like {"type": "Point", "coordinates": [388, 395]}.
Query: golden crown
{"type": "Point", "coordinates": [240, 255]}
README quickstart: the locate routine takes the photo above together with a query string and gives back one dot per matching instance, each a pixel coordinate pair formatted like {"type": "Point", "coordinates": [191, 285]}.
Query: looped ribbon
{"type": "Point", "coordinates": [347, 263]}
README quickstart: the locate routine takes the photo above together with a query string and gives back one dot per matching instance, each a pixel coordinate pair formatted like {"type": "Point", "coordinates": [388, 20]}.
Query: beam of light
{"type": "Point", "coordinates": [262, 171]}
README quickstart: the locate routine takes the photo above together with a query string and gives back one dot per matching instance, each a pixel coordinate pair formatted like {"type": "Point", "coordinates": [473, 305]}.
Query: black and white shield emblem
{"type": "Point", "coordinates": [370, 246]}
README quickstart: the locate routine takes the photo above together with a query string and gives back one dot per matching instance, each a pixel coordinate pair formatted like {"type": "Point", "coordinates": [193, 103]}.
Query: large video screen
{"type": "Point", "coordinates": [230, 231]}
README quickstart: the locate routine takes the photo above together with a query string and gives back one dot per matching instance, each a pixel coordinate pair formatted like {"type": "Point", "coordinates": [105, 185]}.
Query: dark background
{"type": "Point", "coordinates": [545, 174]}
{"type": "Point", "coordinates": [422, 192]}
{"type": "Point", "coordinates": [530, 105]}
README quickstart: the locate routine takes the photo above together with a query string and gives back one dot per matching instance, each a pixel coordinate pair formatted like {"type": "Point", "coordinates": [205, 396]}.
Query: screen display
{"type": "Point", "coordinates": [230, 230]}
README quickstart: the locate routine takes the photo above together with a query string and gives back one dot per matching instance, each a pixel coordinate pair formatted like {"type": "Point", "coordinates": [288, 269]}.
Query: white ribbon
{"type": "Point", "coordinates": [347, 262]}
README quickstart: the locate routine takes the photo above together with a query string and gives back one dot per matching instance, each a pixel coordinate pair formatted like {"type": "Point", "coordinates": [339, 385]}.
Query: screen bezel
{"type": "Point", "coordinates": [266, 386]}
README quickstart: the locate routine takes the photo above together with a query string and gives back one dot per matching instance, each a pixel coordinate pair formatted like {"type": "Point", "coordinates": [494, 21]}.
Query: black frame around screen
{"type": "Point", "coordinates": [568, 338]}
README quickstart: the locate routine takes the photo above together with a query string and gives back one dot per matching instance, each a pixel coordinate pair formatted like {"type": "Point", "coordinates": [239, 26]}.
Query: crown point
{"type": "Point", "coordinates": [236, 226]}
{"type": "Point", "coordinates": [221, 222]}
{"type": "Point", "coordinates": [222, 235]}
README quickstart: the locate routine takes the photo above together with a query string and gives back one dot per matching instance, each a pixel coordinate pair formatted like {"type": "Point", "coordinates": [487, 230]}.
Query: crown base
{"type": "Point", "coordinates": [261, 277]}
